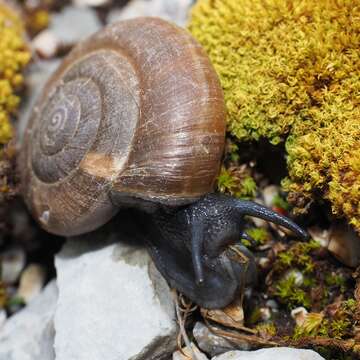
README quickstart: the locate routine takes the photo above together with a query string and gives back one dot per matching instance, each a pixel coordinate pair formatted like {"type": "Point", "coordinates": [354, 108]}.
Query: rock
{"type": "Point", "coordinates": [113, 303]}
{"type": "Point", "coordinates": [344, 244]}
{"type": "Point", "coordinates": [296, 274]}
{"type": "Point", "coordinates": [299, 315]}
{"type": "Point", "coordinates": [82, 3]}
{"type": "Point", "coordinates": [265, 313]}
{"type": "Point", "coordinates": [269, 193]}
{"type": "Point", "coordinates": [3, 318]}
{"type": "Point", "coordinates": [29, 334]}
{"type": "Point", "coordinates": [266, 354]}
{"type": "Point", "coordinates": [321, 236]}
{"type": "Point", "coordinates": [187, 354]}
{"type": "Point", "coordinates": [174, 10]}
{"type": "Point", "coordinates": [67, 28]}
{"type": "Point", "coordinates": [46, 44]}
{"type": "Point", "coordinates": [32, 281]}
{"type": "Point", "coordinates": [12, 262]}
{"type": "Point", "coordinates": [211, 343]}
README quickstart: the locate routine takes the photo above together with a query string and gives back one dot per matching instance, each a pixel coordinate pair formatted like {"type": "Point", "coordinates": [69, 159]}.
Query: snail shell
{"type": "Point", "coordinates": [136, 109]}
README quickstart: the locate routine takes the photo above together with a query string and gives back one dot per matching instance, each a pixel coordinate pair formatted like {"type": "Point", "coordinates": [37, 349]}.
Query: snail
{"type": "Point", "coordinates": [134, 118]}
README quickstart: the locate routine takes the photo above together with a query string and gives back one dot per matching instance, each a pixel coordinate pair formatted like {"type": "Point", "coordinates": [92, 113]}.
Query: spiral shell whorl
{"type": "Point", "coordinates": [136, 109]}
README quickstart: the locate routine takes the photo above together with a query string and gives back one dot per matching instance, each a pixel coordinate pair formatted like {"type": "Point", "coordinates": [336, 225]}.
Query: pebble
{"type": "Point", "coordinates": [174, 10]}
{"type": "Point", "coordinates": [280, 353]}
{"type": "Point", "coordinates": [265, 313]}
{"type": "Point", "coordinates": [269, 193]}
{"type": "Point", "coordinates": [3, 318]}
{"type": "Point", "coordinates": [299, 315]}
{"type": "Point", "coordinates": [187, 354]}
{"type": "Point", "coordinates": [12, 262]}
{"type": "Point", "coordinates": [214, 344]}
{"type": "Point", "coordinates": [32, 281]}
{"type": "Point", "coordinates": [299, 277]}
{"type": "Point", "coordinates": [46, 44]}
{"type": "Point", "coordinates": [321, 236]}
{"type": "Point", "coordinates": [344, 244]}
{"type": "Point", "coordinates": [73, 24]}
{"type": "Point", "coordinates": [94, 3]}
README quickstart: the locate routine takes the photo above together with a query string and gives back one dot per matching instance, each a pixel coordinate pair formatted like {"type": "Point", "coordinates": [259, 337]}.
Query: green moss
{"type": "Point", "coordinates": [292, 294]}
{"type": "Point", "coordinates": [266, 329]}
{"type": "Point", "coordinates": [259, 235]}
{"type": "Point", "coordinates": [290, 73]}
{"type": "Point", "coordinates": [314, 325]}
{"type": "Point", "coordinates": [298, 256]}
{"type": "Point", "coordinates": [280, 202]}
{"type": "Point", "coordinates": [13, 58]}
{"type": "Point", "coordinates": [237, 184]}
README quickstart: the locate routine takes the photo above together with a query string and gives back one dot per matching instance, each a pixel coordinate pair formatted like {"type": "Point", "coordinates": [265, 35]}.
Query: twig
{"type": "Point", "coordinates": [182, 328]}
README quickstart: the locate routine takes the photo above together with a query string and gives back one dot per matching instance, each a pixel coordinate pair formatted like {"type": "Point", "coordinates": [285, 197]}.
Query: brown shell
{"type": "Point", "coordinates": [137, 109]}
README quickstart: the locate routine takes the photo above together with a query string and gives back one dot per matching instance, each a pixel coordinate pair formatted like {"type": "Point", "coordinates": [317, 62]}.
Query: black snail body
{"type": "Point", "coordinates": [135, 118]}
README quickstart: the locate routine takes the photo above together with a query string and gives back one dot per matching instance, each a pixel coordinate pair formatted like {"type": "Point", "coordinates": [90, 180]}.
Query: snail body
{"type": "Point", "coordinates": [135, 117]}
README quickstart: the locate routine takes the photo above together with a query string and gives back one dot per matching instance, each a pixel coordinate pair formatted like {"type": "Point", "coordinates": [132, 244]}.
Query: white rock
{"type": "Point", "coordinates": [46, 44]}
{"type": "Point", "coordinates": [269, 194]}
{"type": "Point", "coordinates": [321, 236]}
{"type": "Point", "coordinates": [94, 3]}
{"type": "Point", "coordinates": [345, 244]}
{"type": "Point", "coordinates": [211, 343]}
{"type": "Point", "coordinates": [299, 315]}
{"type": "Point", "coordinates": [187, 354]}
{"type": "Point", "coordinates": [113, 303]}
{"type": "Point", "coordinates": [176, 11]}
{"type": "Point", "coordinates": [29, 334]}
{"type": "Point", "coordinates": [73, 24]}
{"type": "Point", "coordinates": [296, 274]}
{"type": "Point", "coordinates": [12, 262]}
{"type": "Point", "coordinates": [272, 353]}
{"type": "Point", "coordinates": [32, 281]}
{"type": "Point", "coordinates": [3, 318]}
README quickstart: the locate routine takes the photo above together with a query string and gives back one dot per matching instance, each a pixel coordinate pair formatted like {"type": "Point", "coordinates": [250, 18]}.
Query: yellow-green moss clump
{"type": "Point", "coordinates": [290, 72]}
{"type": "Point", "coordinates": [13, 58]}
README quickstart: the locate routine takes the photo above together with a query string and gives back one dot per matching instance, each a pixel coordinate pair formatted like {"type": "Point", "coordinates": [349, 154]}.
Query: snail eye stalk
{"type": "Point", "coordinates": [250, 208]}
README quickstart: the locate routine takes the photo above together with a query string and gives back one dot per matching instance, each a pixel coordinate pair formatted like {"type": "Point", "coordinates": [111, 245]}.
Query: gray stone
{"type": "Point", "coordinates": [271, 353]}
{"type": "Point", "coordinates": [12, 262]}
{"type": "Point", "coordinates": [176, 11]}
{"type": "Point", "coordinates": [31, 282]}
{"type": "Point", "coordinates": [345, 244]}
{"type": "Point", "coordinates": [213, 344]}
{"type": "Point", "coordinates": [113, 303]}
{"type": "Point", "coordinates": [186, 354]}
{"type": "Point", "coordinates": [73, 24]}
{"type": "Point", "coordinates": [29, 334]}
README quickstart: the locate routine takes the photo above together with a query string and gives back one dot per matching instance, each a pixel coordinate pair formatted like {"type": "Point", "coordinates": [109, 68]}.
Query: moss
{"type": "Point", "coordinates": [289, 292]}
{"type": "Point", "coordinates": [314, 325]}
{"type": "Point", "coordinates": [14, 56]}
{"type": "Point", "coordinates": [235, 183]}
{"type": "Point", "coordinates": [266, 329]}
{"type": "Point", "coordinates": [37, 20]}
{"type": "Point", "coordinates": [289, 71]}
{"type": "Point", "coordinates": [280, 202]}
{"type": "Point", "coordinates": [298, 256]}
{"type": "Point", "coordinates": [259, 235]}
